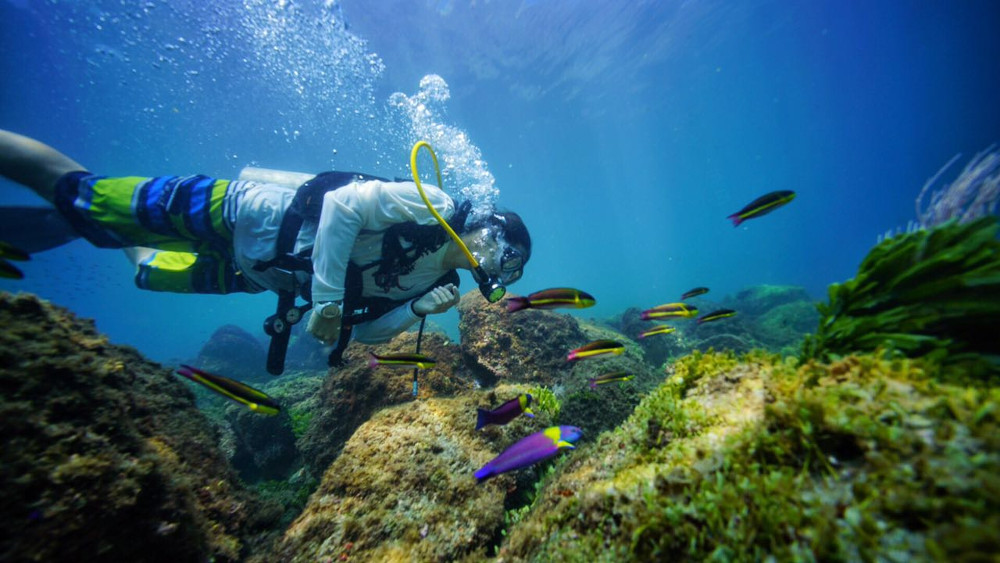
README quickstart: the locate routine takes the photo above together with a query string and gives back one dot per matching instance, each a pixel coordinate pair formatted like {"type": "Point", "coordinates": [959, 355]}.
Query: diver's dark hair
{"type": "Point", "coordinates": [510, 224]}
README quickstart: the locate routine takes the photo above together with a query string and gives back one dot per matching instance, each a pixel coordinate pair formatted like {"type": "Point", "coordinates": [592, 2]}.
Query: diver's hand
{"type": "Point", "coordinates": [325, 327]}
{"type": "Point", "coordinates": [437, 300]}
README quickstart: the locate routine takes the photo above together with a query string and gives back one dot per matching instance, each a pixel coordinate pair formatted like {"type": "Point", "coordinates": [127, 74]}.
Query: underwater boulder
{"type": "Point", "coordinates": [352, 393]}
{"type": "Point", "coordinates": [527, 346]}
{"type": "Point", "coordinates": [106, 457]}
{"type": "Point", "coordinates": [264, 446]}
{"type": "Point", "coordinates": [596, 410]}
{"type": "Point", "coordinates": [404, 490]}
{"type": "Point", "coordinates": [235, 353]}
{"type": "Point", "coordinates": [759, 299]}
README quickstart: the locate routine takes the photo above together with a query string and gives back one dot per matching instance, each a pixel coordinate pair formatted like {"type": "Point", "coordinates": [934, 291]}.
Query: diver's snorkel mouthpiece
{"type": "Point", "coordinates": [491, 288]}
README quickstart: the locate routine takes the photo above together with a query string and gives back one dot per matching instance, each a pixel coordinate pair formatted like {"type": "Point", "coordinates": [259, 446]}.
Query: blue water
{"type": "Point", "coordinates": [623, 132]}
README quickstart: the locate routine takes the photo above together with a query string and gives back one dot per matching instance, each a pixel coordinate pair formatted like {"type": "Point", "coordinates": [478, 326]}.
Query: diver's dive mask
{"type": "Point", "coordinates": [497, 269]}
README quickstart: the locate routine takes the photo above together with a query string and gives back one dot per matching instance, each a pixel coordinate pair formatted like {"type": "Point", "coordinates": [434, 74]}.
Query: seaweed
{"type": "Point", "coordinates": [930, 293]}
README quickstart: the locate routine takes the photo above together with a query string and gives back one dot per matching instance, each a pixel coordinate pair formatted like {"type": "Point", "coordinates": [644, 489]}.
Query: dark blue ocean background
{"type": "Point", "coordinates": [623, 132]}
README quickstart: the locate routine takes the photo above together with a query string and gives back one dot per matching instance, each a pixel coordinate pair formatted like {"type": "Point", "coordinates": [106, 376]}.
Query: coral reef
{"type": "Point", "coordinates": [351, 394]}
{"type": "Point", "coordinates": [235, 353]}
{"type": "Point", "coordinates": [752, 458]}
{"type": "Point", "coordinates": [106, 457]}
{"type": "Point", "coordinates": [931, 292]}
{"type": "Point", "coordinates": [528, 346]}
{"type": "Point", "coordinates": [403, 488]}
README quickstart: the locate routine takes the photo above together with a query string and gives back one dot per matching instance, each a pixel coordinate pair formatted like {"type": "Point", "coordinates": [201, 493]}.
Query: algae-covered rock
{"type": "Point", "coordinates": [264, 445]}
{"type": "Point", "coordinates": [235, 353]}
{"type": "Point", "coordinates": [750, 458]}
{"type": "Point", "coordinates": [759, 299]}
{"type": "Point", "coordinates": [403, 488]}
{"type": "Point", "coordinates": [927, 293]}
{"type": "Point", "coordinates": [105, 456]}
{"type": "Point", "coordinates": [527, 346]}
{"type": "Point", "coordinates": [596, 410]}
{"type": "Point", "coordinates": [351, 394]}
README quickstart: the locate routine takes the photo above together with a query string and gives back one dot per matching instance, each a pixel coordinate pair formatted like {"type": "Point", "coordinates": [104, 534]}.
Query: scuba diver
{"type": "Point", "coordinates": [369, 256]}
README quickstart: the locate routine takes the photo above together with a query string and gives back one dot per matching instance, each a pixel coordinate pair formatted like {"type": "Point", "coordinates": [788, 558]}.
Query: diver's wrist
{"type": "Point", "coordinates": [413, 309]}
{"type": "Point", "coordinates": [328, 309]}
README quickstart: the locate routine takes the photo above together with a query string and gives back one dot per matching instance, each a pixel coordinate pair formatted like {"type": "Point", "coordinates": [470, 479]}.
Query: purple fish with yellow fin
{"type": "Point", "coordinates": [401, 361]}
{"type": "Point", "coordinates": [506, 412]}
{"type": "Point", "coordinates": [552, 299]}
{"type": "Point", "coordinates": [596, 348]}
{"type": "Point", "coordinates": [255, 399]}
{"type": "Point", "coordinates": [531, 449]}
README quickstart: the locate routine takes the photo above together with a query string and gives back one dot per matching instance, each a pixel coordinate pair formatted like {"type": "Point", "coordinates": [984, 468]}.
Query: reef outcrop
{"type": "Point", "coordinates": [353, 392]}
{"type": "Point", "coordinates": [106, 457]}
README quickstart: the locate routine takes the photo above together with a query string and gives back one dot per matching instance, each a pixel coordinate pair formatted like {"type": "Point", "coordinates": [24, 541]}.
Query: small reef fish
{"type": "Point", "coordinates": [610, 378]}
{"type": "Point", "coordinates": [506, 412]}
{"type": "Point", "coordinates": [669, 310]}
{"type": "Point", "coordinates": [401, 361]}
{"type": "Point", "coordinates": [596, 348]}
{"type": "Point", "coordinates": [662, 329]}
{"type": "Point", "coordinates": [10, 252]}
{"type": "Point", "coordinates": [716, 315]}
{"type": "Point", "coordinates": [530, 450]}
{"type": "Point", "coordinates": [694, 293]}
{"type": "Point", "coordinates": [551, 299]}
{"type": "Point", "coordinates": [257, 400]}
{"type": "Point", "coordinates": [762, 206]}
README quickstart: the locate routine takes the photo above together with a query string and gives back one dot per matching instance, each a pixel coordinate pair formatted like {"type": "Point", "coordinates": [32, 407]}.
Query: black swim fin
{"type": "Point", "coordinates": [34, 229]}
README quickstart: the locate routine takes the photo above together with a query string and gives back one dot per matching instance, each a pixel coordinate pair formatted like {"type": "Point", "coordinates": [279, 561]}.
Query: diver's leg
{"type": "Point", "coordinates": [33, 164]}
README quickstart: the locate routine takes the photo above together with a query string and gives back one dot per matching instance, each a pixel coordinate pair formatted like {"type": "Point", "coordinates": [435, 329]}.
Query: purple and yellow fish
{"type": "Point", "coordinates": [762, 206]}
{"type": "Point", "coordinates": [610, 378]}
{"type": "Point", "coordinates": [596, 348]}
{"type": "Point", "coordinates": [506, 412]}
{"type": "Point", "coordinates": [552, 299]}
{"type": "Point", "coordinates": [401, 361]}
{"type": "Point", "coordinates": [694, 293]}
{"type": "Point", "coordinates": [531, 449]}
{"type": "Point", "coordinates": [661, 329]}
{"type": "Point", "coordinates": [257, 400]}
{"type": "Point", "coordinates": [716, 315]}
{"type": "Point", "coordinates": [669, 310]}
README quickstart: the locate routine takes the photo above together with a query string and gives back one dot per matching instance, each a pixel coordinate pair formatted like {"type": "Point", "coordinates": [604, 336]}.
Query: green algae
{"type": "Point", "coordinates": [867, 458]}
{"type": "Point", "coordinates": [933, 293]}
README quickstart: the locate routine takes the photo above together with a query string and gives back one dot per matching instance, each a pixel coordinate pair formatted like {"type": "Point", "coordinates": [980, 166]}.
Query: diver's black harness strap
{"type": "Point", "coordinates": [307, 204]}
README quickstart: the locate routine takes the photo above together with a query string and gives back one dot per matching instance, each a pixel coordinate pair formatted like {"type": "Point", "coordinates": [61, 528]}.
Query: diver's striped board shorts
{"type": "Point", "coordinates": [187, 219]}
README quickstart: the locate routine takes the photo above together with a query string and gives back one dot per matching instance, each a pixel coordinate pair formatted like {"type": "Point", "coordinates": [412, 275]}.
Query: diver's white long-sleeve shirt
{"type": "Point", "coordinates": [350, 228]}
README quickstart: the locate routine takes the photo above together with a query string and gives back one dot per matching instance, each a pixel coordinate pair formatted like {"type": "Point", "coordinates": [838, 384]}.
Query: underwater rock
{"type": "Point", "coordinates": [596, 410]}
{"type": "Point", "coordinates": [235, 353]}
{"type": "Point", "coordinates": [528, 346]}
{"type": "Point", "coordinates": [106, 457]}
{"type": "Point", "coordinates": [786, 325]}
{"type": "Point", "coordinates": [753, 458]}
{"type": "Point", "coordinates": [264, 445]}
{"type": "Point", "coordinates": [759, 299]}
{"type": "Point", "coordinates": [350, 394]}
{"type": "Point", "coordinates": [404, 487]}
